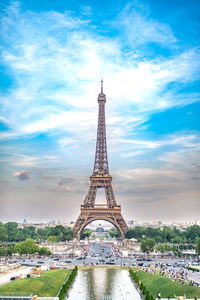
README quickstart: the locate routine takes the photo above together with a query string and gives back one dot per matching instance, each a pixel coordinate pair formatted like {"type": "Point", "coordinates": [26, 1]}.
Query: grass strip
{"type": "Point", "coordinates": [47, 285]}
{"type": "Point", "coordinates": [166, 286]}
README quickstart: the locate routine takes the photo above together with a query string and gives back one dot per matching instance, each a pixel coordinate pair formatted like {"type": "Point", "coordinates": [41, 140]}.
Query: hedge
{"type": "Point", "coordinates": [142, 287]}
{"type": "Point", "coordinates": [67, 284]}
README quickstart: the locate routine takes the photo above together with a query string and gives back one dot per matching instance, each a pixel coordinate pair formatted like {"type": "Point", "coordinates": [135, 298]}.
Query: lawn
{"type": "Point", "coordinates": [167, 287]}
{"type": "Point", "coordinates": [47, 285]}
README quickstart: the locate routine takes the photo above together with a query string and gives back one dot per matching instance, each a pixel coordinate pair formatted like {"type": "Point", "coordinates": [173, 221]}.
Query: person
{"type": "Point", "coordinates": [159, 295]}
{"type": "Point", "coordinates": [168, 298]}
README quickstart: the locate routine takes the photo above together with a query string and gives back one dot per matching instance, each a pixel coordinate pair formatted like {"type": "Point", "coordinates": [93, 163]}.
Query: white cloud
{"type": "Point", "coordinates": [4, 120]}
{"type": "Point", "coordinates": [66, 188]}
{"type": "Point", "coordinates": [183, 159]}
{"type": "Point", "coordinates": [132, 154]}
{"type": "Point", "coordinates": [140, 29]}
{"type": "Point", "coordinates": [23, 175]}
{"type": "Point", "coordinates": [141, 143]}
{"type": "Point", "coordinates": [25, 161]}
{"type": "Point", "coordinates": [47, 176]}
{"type": "Point", "coordinates": [149, 174]}
{"type": "Point", "coordinates": [56, 72]}
{"type": "Point", "coordinates": [189, 142]}
{"type": "Point", "coordinates": [21, 160]}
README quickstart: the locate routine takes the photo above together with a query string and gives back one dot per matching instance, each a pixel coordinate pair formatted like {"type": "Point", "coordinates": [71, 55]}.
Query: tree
{"type": "Point", "coordinates": [29, 232]}
{"type": "Point", "coordinates": [190, 246]}
{"type": "Point", "coordinates": [86, 233]}
{"type": "Point", "coordinates": [52, 239]}
{"type": "Point", "coordinates": [58, 229]}
{"type": "Point", "coordinates": [192, 232]}
{"type": "Point", "coordinates": [176, 239]}
{"type": "Point", "coordinates": [137, 233]}
{"type": "Point", "coordinates": [44, 251]}
{"type": "Point", "coordinates": [167, 234]}
{"type": "Point", "coordinates": [147, 245]}
{"type": "Point", "coordinates": [160, 248]}
{"type": "Point", "coordinates": [150, 232]}
{"type": "Point", "coordinates": [163, 248]}
{"type": "Point", "coordinates": [61, 237]}
{"type": "Point", "coordinates": [12, 229]}
{"type": "Point", "coordinates": [197, 248]}
{"type": "Point", "coordinates": [10, 250]}
{"type": "Point", "coordinates": [158, 239]}
{"type": "Point", "coordinates": [7, 250]}
{"type": "Point", "coordinates": [68, 234]}
{"type": "Point", "coordinates": [26, 247]}
{"type": "Point", "coordinates": [20, 236]}
{"type": "Point", "coordinates": [129, 234]}
{"type": "Point", "coordinates": [3, 233]}
{"type": "Point", "coordinates": [113, 232]}
{"type": "Point", "coordinates": [62, 233]}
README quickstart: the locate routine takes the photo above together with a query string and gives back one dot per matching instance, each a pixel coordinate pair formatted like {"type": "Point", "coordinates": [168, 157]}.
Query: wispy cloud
{"type": "Point", "coordinates": [47, 176]}
{"type": "Point", "coordinates": [132, 154]}
{"type": "Point", "coordinates": [25, 161]}
{"type": "Point", "coordinates": [139, 28]}
{"type": "Point", "coordinates": [66, 188]}
{"type": "Point", "coordinates": [63, 181]}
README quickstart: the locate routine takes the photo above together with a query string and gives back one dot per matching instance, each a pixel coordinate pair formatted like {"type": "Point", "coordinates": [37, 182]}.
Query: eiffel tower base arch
{"type": "Point", "coordinates": [99, 212]}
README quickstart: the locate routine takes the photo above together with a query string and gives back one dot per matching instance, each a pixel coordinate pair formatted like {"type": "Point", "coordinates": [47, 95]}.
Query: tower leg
{"type": "Point", "coordinates": [110, 197]}
{"type": "Point", "coordinates": [90, 198]}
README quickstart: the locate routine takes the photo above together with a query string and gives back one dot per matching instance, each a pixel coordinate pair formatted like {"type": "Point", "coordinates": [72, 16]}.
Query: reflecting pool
{"type": "Point", "coordinates": [94, 284]}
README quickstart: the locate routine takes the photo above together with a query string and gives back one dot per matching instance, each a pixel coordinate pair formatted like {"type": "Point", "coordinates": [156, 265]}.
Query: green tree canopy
{"type": "Point", "coordinates": [3, 233]}
{"type": "Point", "coordinates": [192, 232]}
{"type": "Point", "coordinates": [113, 232]}
{"type": "Point", "coordinates": [12, 229]}
{"type": "Point", "coordinates": [52, 239]}
{"type": "Point", "coordinates": [197, 247]}
{"type": "Point", "coordinates": [86, 233]}
{"type": "Point", "coordinates": [163, 248]}
{"type": "Point", "coordinates": [26, 247]}
{"type": "Point", "coordinates": [44, 251]}
{"type": "Point", "coordinates": [147, 245]}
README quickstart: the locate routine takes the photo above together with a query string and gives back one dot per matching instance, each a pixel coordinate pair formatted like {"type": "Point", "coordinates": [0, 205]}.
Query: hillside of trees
{"type": "Point", "coordinates": [166, 234]}
{"type": "Point", "coordinates": [10, 232]}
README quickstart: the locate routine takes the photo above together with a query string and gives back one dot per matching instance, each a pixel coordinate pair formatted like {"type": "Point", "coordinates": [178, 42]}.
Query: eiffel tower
{"type": "Point", "coordinates": [100, 178]}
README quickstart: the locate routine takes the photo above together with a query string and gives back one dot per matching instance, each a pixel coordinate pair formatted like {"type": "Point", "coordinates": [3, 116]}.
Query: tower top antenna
{"type": "Point", "coordinates": [101, 85]}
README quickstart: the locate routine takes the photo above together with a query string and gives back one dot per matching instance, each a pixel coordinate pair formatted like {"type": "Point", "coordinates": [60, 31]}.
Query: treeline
{"type": "Point", "coordinates": [113, 232]}
{"type": "Point", "coordinates": [10, 232]}
{"type": "Point", "coordinates": [165, 235]}
{"type": "Point", "coordinates": [26, 247]}
{"type": "Point", "coordinates": [86, 233]}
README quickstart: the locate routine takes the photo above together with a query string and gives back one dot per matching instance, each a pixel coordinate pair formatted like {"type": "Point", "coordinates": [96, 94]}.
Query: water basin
{"type": "Point", "coordinates": [97, 283]}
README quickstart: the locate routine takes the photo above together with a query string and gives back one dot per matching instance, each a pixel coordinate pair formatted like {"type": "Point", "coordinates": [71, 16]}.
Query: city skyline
{"type": "Point", "coordinates": [53, 58]}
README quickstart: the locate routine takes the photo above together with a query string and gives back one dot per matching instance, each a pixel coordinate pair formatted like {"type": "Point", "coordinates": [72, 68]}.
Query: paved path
{"type": "Point", "coordinates": [4, 278]}
{"type": "Point", "coordinates": [194, 276]}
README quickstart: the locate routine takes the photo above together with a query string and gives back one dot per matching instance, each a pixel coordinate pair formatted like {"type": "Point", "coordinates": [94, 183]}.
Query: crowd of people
{"type": "Point", "coordinates": [176, 274]}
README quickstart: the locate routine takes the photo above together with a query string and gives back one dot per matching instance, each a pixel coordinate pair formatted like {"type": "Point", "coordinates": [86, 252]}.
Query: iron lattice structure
{"type": "Point", "coordinates": [100, 178]}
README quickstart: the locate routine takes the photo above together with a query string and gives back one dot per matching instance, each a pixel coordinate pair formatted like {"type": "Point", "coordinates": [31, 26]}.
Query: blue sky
{"type": "Point", "coordinates": [53, 56]}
